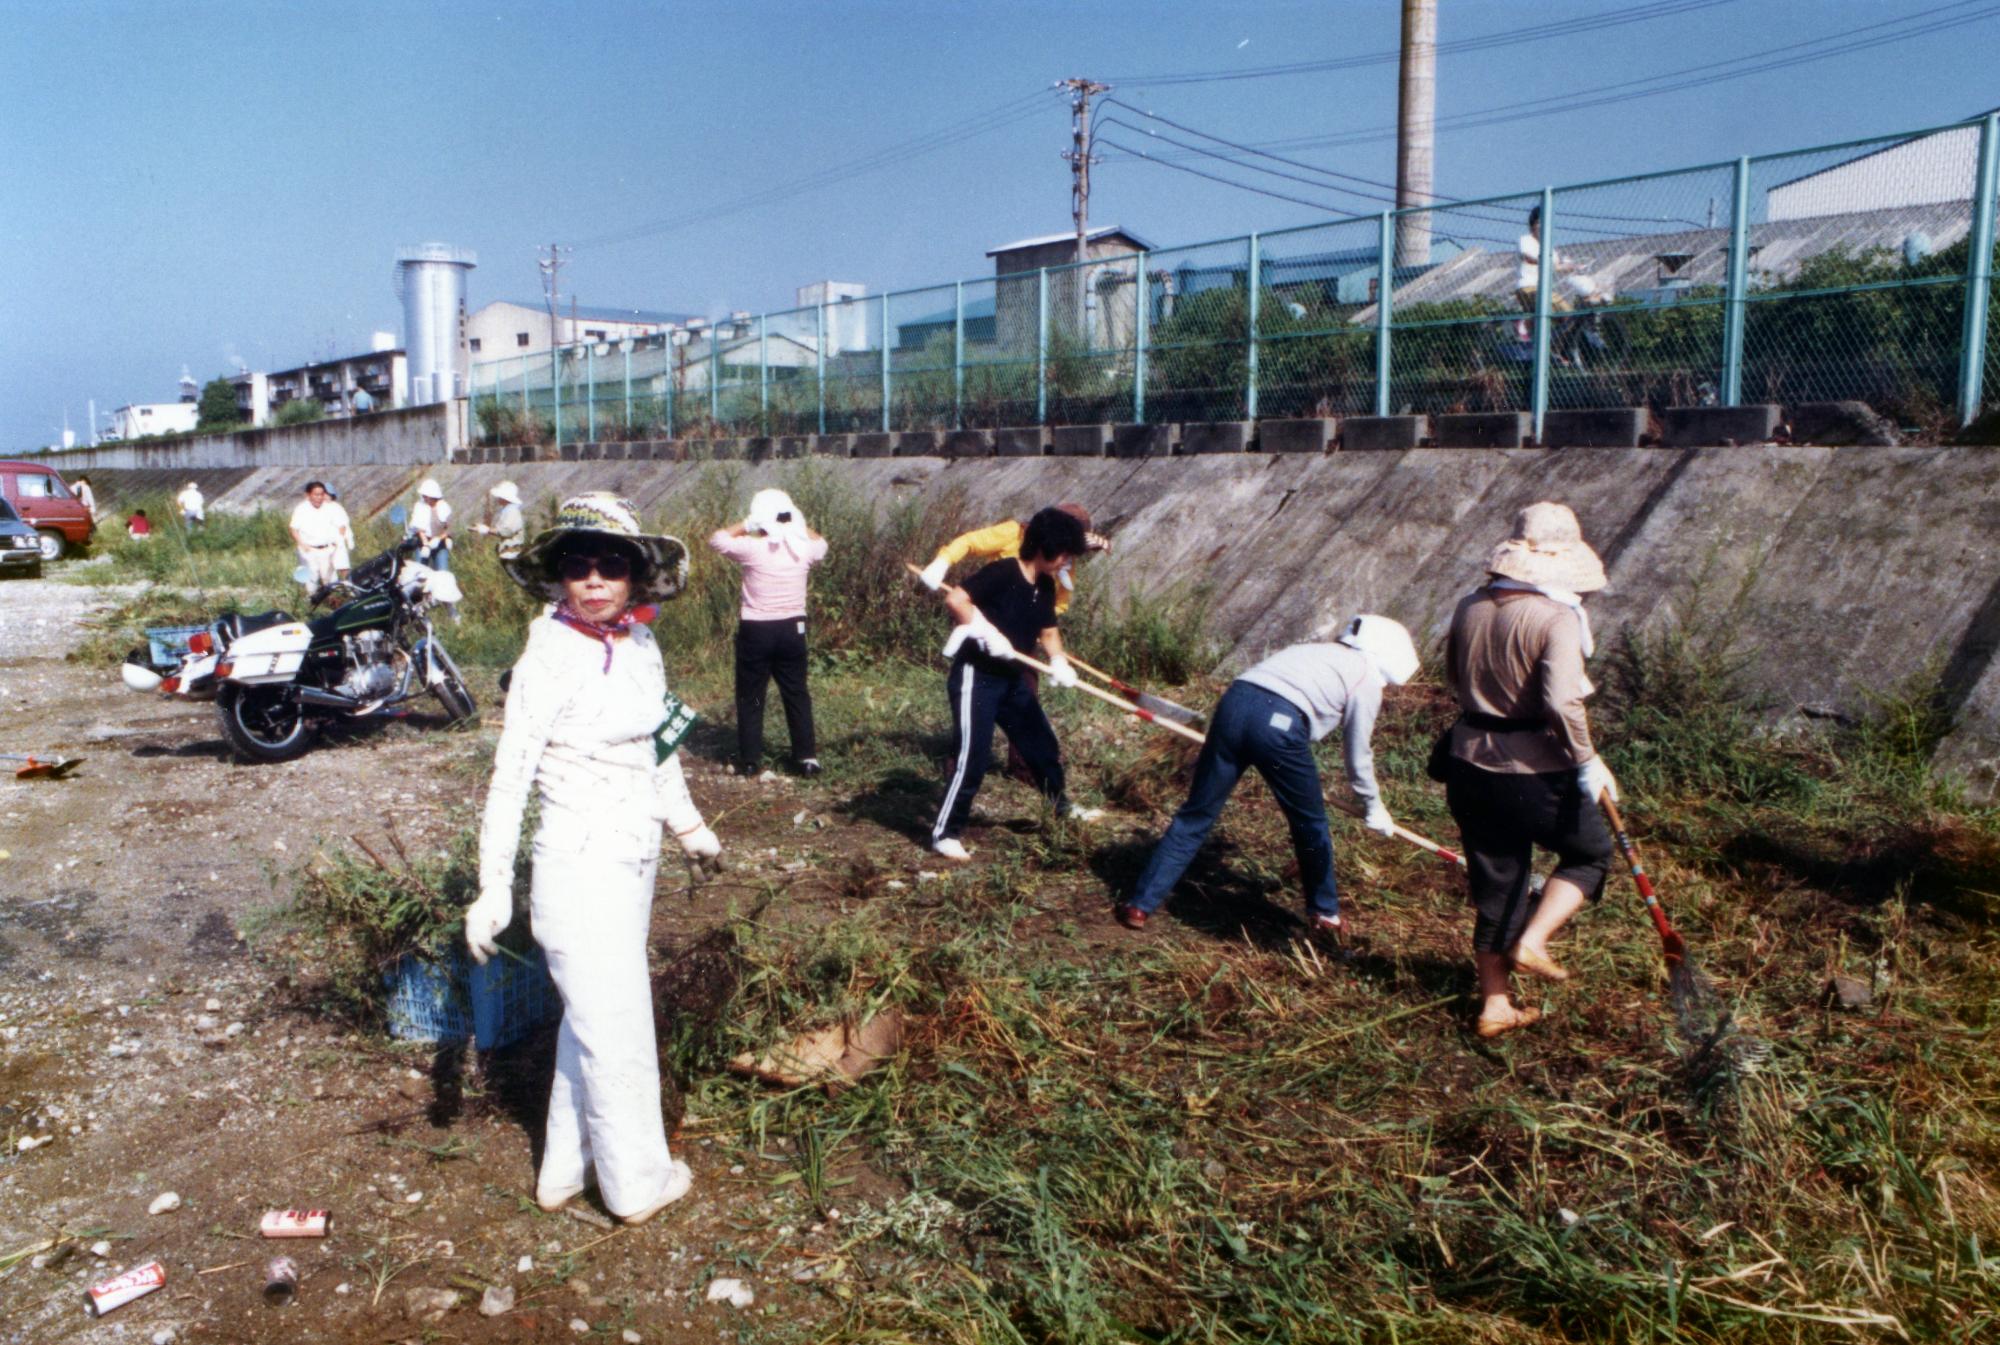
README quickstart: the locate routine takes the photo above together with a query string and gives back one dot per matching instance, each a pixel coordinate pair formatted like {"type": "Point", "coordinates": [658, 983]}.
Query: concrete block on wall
{"type": "Point", "coordinates": [791, 445]}
{"type": "Point", "coordinates": [1484, 429]}
{"type": "Point", "coordinates": [1310, 435]}
{"type": "Point", "coordinates": [830, 445]}
{"type": "Point", "coordinates": [1595, 427]}
{"type": "Point", "coordinates": [1080, 441]}
{"type": "Point", "coordinates": [1383, 434]}
{"type": "Point", "coordinates": [1021, 441]}
{"type": "Point", "coordinates": [913, 444]}
{"type": "Point", "coordinates": [1842, 425]}
{"type": "Point", "coordinates": [873, 444]}
{"type": "Point", "coordinates": [968, 444]}
{"type": "Point", "coordinates": [591, 452]}
{"type": "Point", "coordinates": [617, 452]}
{"type": "Point", "coordinates": [1132, 440]}
{"type": "Point", "coordinates": [1216, 436]}
{"type": "Point", "coordinates": [1718, 426]}
{"type": "Point", "coordinates": [573, 452]}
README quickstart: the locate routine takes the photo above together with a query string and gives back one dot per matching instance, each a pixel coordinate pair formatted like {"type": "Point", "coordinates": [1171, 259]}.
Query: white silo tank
{"type": "Point", "coordinates": [430, 280]}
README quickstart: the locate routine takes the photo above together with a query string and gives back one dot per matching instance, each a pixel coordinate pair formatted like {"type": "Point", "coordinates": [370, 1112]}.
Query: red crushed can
{"type": "Point", "coordinates": [295, 1223]}
{"type": "Point", "coordinates": [119, 1290]}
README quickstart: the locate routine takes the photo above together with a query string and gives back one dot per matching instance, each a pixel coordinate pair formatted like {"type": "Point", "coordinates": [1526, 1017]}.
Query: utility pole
{"type": "Point", "coordinates": [553, 257]}
{"type": "Point", "coordinates": [1081, 92]}
{"type": "Point", "coordinates": [1416, 131]}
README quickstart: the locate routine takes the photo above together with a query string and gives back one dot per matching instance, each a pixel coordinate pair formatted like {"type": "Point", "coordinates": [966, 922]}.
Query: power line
{"type": "Point", "coordinates": [1227, 182]}
{"type": "Point", "coordinates": [1655, 9]}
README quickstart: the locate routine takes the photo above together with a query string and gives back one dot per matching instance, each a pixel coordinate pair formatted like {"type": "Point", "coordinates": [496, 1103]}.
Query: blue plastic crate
{"type": "Point", "coordinates": [168, 645]}
{"type": "Point", "coordinates": [457, 999]}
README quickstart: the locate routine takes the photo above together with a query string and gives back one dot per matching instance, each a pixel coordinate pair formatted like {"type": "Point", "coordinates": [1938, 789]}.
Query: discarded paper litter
{"type": "Point", "coordinates": [836, 1055]}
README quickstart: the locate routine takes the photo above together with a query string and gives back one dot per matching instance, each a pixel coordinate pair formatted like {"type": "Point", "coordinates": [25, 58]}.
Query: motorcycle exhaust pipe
{"type": "Point", "coordinates": [331, 700]}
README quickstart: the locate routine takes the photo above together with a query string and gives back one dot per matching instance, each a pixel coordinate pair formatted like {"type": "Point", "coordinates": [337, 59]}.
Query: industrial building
{"type": "Point", "coordinates": [504, 329]}
{"type": "Point", "coordinates": [376, 381]}
{"type": "Point", "coordinates": [1102, 295]}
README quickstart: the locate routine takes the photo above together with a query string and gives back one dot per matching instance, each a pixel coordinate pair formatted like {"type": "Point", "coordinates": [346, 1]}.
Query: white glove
{"type": "Point", "coordinates": [701, 843]}
{"type": "Point", "coordinates": [1378, 819]}
{"type": "Point", "coordinates": [1597, 780]}
{"type": "Point", "coordinates": [982, 633]}
{"type": "Point", "coordinates": [484, 919]}
{"type": "Point", "coordinates": [934, 573]}
{"type": "Point", "coordinates": [1060, 673]}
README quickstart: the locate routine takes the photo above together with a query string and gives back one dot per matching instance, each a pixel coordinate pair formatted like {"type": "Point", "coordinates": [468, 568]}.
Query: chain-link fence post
{"type": "Point", "coordinates": [524, 387]}
{"type": "Point", "coordinates": [819, 359]}
{"type": "Point", "coordinates": [555, 391]}
{"type": "Point", "coordinates": [714, 379]}
{"type": "Point", "coordinates": [764, 372]}
{"type": "Point", "coordinates": [958, 354]}
{"type": "Point", "coordinates": [1385, 288]}
{"type": "Point", "coordinates": [1545, 290]}
{"type": "Point", "coordinates": [1042, 347]}
{"type": "Point", "coordinates": [1979, 275]}
{"type": "Point", "coordinates": [1250, 381]}
{"type": "Point", "coordinates": [626, 344]}
{"type": "Point", "coordinates": [1142, 335]}
{"type": "Point", "coordinates": [885, 364]}
{"type": "Point", "coordinates": [1737, 286]}
{"type": "Point", "coordinates": [589, 392]}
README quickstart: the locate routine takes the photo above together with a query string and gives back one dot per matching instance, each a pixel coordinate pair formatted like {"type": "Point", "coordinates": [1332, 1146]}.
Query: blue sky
{"type": "Point", "coordinates": [194, 183]}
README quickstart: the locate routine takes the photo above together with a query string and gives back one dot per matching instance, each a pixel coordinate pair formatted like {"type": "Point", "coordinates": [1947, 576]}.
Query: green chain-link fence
{"type": "Point", "coordinates": [1858, 271]}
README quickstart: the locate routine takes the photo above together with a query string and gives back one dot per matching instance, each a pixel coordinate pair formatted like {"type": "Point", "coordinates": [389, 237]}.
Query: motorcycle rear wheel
{"type": "Point", "coordinates": [263, 723]}
{"type": "Point", "coordinates": [451, 691]}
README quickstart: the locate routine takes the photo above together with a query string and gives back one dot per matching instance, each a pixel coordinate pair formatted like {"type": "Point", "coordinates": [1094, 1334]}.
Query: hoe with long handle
{"type": "Point", "coordinates": [1159, 705]}
{"type": "Point", "coordinates": [1404, 833]}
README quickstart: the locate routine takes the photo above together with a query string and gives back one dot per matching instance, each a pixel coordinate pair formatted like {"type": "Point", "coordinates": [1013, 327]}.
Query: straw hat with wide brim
{"type": "Point", "coordinates": [602, 515]}
{"type": "Point", "coordinates": [1547, 549]}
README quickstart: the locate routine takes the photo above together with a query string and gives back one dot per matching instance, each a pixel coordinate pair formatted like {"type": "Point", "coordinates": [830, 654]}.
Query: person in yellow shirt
{"type": "Point", "coordinates": [1002, 541]}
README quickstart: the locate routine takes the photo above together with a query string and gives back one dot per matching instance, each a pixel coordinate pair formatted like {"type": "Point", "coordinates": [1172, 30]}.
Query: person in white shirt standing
{"type": "Point", "coordinates": [430, 524]}
{"type": "Point", "coordinates": [323, 535]}
{"type": "Point", "coordinates": [507, 528]}
{"type": "Point", "coordinates": [586, 703]}
{"type": "Point", "coordinates": [85, 496]}
{"type": "Point", "coordinates": [193, 507]}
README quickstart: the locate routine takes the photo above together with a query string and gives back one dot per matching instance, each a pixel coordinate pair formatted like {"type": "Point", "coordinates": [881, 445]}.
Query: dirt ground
{"type": "Point", "coordinates": [145, 1049]}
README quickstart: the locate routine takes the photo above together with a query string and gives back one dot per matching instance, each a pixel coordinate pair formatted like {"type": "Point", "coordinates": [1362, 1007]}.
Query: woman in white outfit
{"type": "Point", "coordinates": [584, 705]}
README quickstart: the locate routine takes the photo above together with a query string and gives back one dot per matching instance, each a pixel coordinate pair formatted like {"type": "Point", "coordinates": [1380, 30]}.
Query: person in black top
{"type": "Point", "coordinates": [1009, 605]}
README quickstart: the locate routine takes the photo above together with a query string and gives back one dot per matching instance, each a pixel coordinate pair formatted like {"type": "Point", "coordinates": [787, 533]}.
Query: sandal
{"type": "Point", "coordinates": [1537, 964]}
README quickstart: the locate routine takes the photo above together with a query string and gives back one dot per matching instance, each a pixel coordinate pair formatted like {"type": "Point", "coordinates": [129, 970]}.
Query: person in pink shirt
{"type": "Point", "coordinates": [776, 550]}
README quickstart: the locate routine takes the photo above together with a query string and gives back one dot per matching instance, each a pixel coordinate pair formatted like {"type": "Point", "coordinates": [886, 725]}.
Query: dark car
{"type": "Point", "coordinates": [20, 545]}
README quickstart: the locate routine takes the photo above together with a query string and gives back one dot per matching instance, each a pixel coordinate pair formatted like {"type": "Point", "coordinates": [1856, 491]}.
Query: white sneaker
{"type": "Point", "coordinates": [953, 849]}
{"type": "Point", "coordinates": [1079, 813]}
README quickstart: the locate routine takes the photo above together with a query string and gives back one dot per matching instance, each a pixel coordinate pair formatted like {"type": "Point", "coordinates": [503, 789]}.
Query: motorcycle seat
{"type": "Point", "coordinates": [237, 625]}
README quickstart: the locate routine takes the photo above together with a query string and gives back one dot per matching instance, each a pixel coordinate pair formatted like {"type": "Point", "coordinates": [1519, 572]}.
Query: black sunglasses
{"type": "Point", "coordinates": [574, 568]}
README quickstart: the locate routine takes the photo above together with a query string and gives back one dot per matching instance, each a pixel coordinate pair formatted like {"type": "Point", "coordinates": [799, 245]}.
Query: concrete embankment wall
{"type": "Point", "coordinates": [1851, 570]}
{"type": "Point", "coordinates": [416, 435]}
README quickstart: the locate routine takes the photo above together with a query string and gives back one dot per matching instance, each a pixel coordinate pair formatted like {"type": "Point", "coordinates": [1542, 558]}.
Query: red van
{"type": "Point", "coordinates": [46, 504]}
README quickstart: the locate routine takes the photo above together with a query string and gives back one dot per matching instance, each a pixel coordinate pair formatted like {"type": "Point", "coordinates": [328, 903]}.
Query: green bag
{"type": "Point", "coordinates": [674, 729]}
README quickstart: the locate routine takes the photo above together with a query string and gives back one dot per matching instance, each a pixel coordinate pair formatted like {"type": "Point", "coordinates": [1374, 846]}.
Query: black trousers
{"type": "Point", "coordinates": [1501, 819]}
{"type": "Point", "coordinates": [766, 650]}
{"type": "Point", "coordinates": [981, 699]}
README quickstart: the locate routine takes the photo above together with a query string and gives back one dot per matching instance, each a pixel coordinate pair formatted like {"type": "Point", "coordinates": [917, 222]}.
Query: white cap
{"type": "Point", "coordinates": [766, 505]}
{"type": "Point", "coordinates": [1387, 645]}
{"type": "Point", "coordinates": [430, 489]}
{"type": "Point", "coordinates": [506, 492]}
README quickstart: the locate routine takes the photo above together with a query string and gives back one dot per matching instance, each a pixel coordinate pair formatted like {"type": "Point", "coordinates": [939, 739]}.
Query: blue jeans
{"type": "Point", "coordinates": [1251, 727]}
{"type": "Point", "coordinates": [437, 557]}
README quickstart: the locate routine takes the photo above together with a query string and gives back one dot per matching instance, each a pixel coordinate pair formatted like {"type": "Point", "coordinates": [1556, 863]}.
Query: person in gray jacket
{"type": "Point", "coordinates": [1268, 719]}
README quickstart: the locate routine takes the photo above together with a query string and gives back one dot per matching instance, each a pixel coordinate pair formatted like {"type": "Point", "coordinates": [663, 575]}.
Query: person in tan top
{"type": "Point", "coordinates": [1522, 770]}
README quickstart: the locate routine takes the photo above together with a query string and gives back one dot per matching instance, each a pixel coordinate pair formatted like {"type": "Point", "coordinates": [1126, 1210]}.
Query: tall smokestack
{"type": "Point", "coordinates": [1416, 130]}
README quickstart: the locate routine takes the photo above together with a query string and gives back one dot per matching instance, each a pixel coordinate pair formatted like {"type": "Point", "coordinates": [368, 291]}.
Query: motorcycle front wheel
{"type": "Point", "coordinates": [264, 723]}
{"type": "Point", "coordinates": [451, 690]}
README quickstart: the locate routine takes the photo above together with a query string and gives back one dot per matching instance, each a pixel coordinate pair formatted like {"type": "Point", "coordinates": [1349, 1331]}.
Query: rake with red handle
{"type": "Point", "coordinates": [1697, 1008]}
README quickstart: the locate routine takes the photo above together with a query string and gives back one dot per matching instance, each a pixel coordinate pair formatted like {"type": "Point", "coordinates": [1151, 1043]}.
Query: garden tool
{"type": "Point", "coordinates": [1697, 1008]}
{"type": "Point", "coordinates": [1159, 705]}
{"type": "Point", "coordinates": [1404, 833]}
{"type": "Point", "coordinates": [37, 769]}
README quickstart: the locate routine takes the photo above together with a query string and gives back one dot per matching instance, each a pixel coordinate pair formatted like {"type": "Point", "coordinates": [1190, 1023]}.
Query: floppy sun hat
{"type": "Point", "coordinates": [1547, 549]}
{"type": "Point", "coordinates": [506, 492]}
{"type": "Point", "coordinates": [611, 518]}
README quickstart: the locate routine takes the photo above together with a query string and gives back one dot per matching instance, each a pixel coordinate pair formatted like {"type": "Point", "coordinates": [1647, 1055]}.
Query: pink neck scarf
{"type": "Point", "coordinates": [618, 628]}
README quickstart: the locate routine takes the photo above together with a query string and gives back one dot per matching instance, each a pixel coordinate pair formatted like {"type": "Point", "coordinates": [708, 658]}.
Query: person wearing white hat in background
{"type": "Point", "coordinates": [430, 524]}
{"type": "Point", "coordinates": [79, 486]}
{"type": "Point", "coordinates": [507, 527]}
{"type": "Point", "coordinates": [193, 507]}
{"type": "Point", "coordinates": [776, 550]}
{"type": "Point", "coordinates": [585, 704]}
{"type": "Point", "coordinates": [1520, 768]}
{"type": "Point", "coordinates": [1268, 719]}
